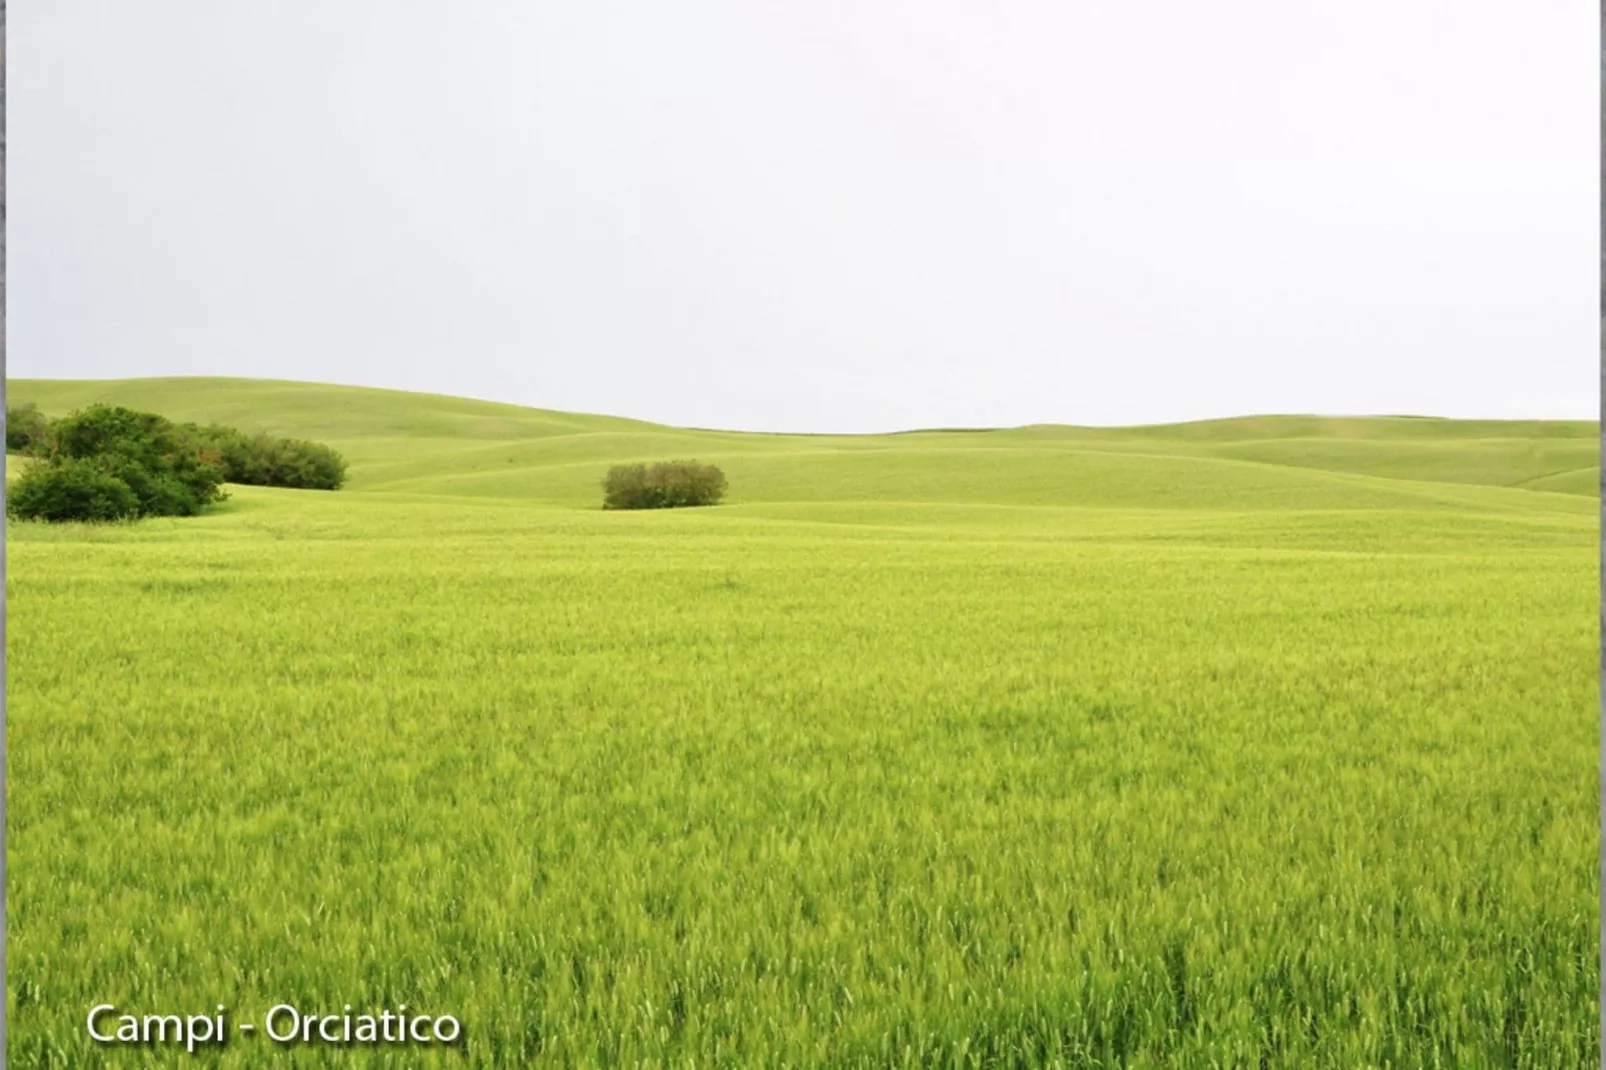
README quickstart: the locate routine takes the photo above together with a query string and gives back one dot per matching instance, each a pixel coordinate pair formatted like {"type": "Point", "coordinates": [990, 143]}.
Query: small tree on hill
{"type": "Point", "coordinates": [26, 428]}
{"type": "Point", "coordinates": [667, 485]}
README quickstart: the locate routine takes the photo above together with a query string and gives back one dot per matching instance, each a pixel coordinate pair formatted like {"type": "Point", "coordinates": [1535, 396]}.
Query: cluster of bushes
{"type": "Point", "coordinates": [264, 461]}
{"type": "Point", "coordinates": [112, 463]}
{"type": "Point", "coordinates": [662, 486]}
{"type": "Point", "coordinates": [108, 463]}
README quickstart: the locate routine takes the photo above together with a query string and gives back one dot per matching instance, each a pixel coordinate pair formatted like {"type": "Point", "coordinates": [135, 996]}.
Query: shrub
{"type": "Point", "coordinates": [662, 486]}
{"type": "Point", "coordinates": [92, 460]}
{"type": "Point", "coordinates": [293, 462]}
{"type": "Point", "coordinates": [70, 489]}
{"type": "Point", "coordinates": [154, 459]}
{"type": "Point", "coordinates": [264, 461]}
{"type": "Point", "coordinates": [27, 429]}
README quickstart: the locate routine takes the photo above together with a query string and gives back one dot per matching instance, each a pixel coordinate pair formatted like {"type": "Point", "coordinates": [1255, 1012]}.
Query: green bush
{"type": "Point", "coordinates": [92, 462]}
{"type": "Point", "coordinates": [264, 461]}
{"type": "Point", "coordinates": [27, 429]}
{"type": "Point", "coordinates": [70, 489]}
{"type": "Point", "coordinates": [148, 455]}
{"type": "Point", "coordinates": [156, 458]}
{"type": "Point", "coordinates": [667, 485]}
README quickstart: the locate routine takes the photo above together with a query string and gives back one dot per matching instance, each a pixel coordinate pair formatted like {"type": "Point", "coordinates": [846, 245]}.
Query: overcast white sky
{"type": "Point", "coordinates": [826, 216]}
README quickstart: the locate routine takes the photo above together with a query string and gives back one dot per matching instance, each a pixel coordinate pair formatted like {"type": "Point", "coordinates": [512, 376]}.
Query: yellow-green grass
{"type": "Point", "coordinates": [1268, 742]}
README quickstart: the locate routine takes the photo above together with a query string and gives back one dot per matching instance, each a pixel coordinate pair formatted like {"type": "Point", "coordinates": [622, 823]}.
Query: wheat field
{"type": "Point", "coordinates": [1268, 742]}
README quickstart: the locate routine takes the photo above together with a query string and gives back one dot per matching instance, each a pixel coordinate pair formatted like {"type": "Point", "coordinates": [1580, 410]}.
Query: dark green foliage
{"type": "Point", "coordinates": [662, 486]}
{"type": "Point", "coordinates": [92, 464]}
{"type": "Point", "coordinates": [27, 428]}
{"type": "Point", "coordinates": [265, 461]}
{"type": "Point", "coordinates": [160, 463]}
{"type": "Point", "coordinates": [94, 452]}
{"type": "Point", "coordinates": [70, 489]}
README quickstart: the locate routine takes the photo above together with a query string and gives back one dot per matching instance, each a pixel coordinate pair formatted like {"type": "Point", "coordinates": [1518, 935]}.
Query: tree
{"type": "Point", "coordinates": [666, 485]}
{"type": "Point", "coordinates": [26, 428]}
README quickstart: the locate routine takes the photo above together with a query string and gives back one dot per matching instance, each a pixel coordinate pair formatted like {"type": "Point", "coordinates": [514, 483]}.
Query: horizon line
{"type": "Point", "coordinates": [950, 429]}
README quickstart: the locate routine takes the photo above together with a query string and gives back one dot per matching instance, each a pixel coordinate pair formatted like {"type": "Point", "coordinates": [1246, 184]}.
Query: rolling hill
{"type": "Point", "coordinates": [436, 445]}
{"type": "Point", "coordinates": [1259, 742]}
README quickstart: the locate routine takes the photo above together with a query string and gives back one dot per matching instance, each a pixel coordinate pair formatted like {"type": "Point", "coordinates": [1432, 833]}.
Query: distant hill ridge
{"type": "Point", "coordinates": [416, 443]}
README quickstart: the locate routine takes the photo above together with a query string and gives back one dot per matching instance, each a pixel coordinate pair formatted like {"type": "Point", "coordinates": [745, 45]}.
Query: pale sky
{"type": "Point", "coordinates": [840, 215]}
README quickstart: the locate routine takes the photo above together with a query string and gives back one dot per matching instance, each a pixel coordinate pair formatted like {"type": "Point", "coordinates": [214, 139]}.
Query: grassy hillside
{"type": "Point", "coordinates": [1264, 742]}
{"type": "Point", "coordinates": [430, 444]}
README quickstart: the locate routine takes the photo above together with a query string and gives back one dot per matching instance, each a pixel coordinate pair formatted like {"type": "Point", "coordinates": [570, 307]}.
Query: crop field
{"type": "Point", "coordinates": [1268, 742]}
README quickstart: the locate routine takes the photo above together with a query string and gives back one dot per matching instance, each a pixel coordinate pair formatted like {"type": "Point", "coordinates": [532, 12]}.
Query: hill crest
{"type": "Point", "coordinates": [434, 443]}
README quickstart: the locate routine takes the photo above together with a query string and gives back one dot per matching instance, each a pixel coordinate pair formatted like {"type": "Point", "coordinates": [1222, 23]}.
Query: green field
{"type": "Point", "coordinates": [1268, 742]}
